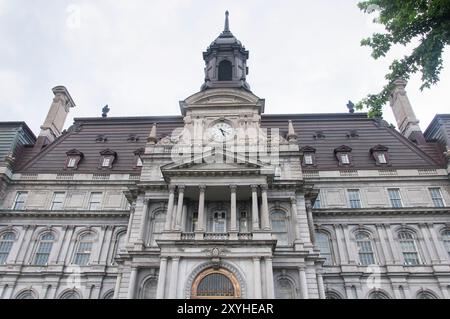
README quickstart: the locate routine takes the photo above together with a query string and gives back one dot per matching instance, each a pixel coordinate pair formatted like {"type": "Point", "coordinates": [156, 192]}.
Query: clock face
{"type": "Point", "coordinates": [221, 131]}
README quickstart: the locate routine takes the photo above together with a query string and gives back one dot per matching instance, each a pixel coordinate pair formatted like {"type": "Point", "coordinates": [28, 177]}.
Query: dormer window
{"type": "Point", "coordinates": [138, 162]}
{"type": "Point", "coordinates": [319, 135]}
{"type": "Point", "coordinates": [343, 155]}
{"type": "Point", "coordinates": [309, 156]}
{"type": "Point", "coordinates": [101, 138]}
{"type": "Point", "coordinates": [344, 159]}
{"type": "Point", "coordinates": [380, 155]}
{"type": "Point", "coordinates": [133, 138]}
{"type": "Point", "coordinates": [73, 159]}
{"type": "Point", "coordinates": [107, 159]}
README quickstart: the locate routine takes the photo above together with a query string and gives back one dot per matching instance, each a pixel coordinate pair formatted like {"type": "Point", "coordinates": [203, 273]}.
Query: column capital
{"type": "Point", "coordinates": [256, 258]}
{"type": "Point", "coordinates": [264, 187]}
{"type": "Point", "coordinates": [171, 188]}
{"type": "Point", "coordinates": [233, 188]}
{"type": "Point", "coordinates": [176, 259]}
{"type": "Point", "coordinates": [293, 200]}
{"type": "Point", "coordinates": [202, 188]}
{"type": "Point", "coordinates": [163, 258]}
{"type": "Point", "coordinates": [181, 188]}
{"type": "Point", "coordinates": [254, 187]}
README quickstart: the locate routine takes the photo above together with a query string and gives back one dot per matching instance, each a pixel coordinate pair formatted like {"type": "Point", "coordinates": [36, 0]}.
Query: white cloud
{"type": "Point", "coordinates": [141, 57]}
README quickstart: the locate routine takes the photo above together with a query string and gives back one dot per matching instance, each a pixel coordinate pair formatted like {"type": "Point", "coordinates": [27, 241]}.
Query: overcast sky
{"type": "Point", "coordinates": [141, 57]}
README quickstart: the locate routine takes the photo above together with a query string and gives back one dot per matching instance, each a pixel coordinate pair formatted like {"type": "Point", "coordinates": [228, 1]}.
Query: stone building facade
{"type": "Point", "coordinates": [226, 201]}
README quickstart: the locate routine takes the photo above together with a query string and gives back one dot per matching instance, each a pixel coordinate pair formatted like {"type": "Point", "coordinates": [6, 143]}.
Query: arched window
{"type": "Point", "coordinates": [225, 71]}
{"type": "Point", "coordinates": [378, 295]}
{"type": "Point", "coordinates": [324, 244]}
{"type": "Point", "coordinates": [332, 295]}
{"type": "Point", "coordinates": [149, 288]}
{"type": "Point", "coordinates": [284, 289]}
{"type": "Point", "coordinates": [84, 249]}
{"type": "Point", "coordinates": [446, 240]}
{"type": "Point", "coordinates": [71, 294]}
{"type": "Point", "coordinates": [157, 226]}
{"type": "Point", "coordinates": [44, 249]}
{"type": "Point", "coordinates": [426, 295]}
{"type": "Point", "coordinates": [109, 295]}
{"type": "Point", "coordinates": [120, 243]}
{"type": "Point", "coordinates": [409, 248]}
{"type": "Point", "coordinates": [6, 242]}
{"type": "Point", "coordinates": [365, 249]}
{"type": "Point", "coordinates": [27, 294]}
{"type": "Point", "coordinates": [214, 283]}
{"type": "Point", "coordinates": [279, 227]}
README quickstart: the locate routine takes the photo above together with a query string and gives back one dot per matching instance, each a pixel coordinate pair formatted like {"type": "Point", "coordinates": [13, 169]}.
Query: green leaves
{"type": "Point", "coordinates": [406, 20]}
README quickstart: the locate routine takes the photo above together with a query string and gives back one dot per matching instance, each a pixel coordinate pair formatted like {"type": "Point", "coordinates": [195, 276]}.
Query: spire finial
{"type": "Point", "coordinates": [227, 22]}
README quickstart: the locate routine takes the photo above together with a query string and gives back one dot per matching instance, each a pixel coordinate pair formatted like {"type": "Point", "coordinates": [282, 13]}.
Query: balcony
{"type": "Point", "coordinates": [215, 236]}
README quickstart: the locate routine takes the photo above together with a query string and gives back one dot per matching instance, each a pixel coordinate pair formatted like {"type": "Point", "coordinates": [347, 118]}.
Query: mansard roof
{"type": "Point", "coordinates": [403, 153]}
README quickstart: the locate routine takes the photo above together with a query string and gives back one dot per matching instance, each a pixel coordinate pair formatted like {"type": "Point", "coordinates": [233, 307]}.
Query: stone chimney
{"type": "Point", "coordinates": [56, 117]}
{"type": "Point", "coordinates": [407, 122]}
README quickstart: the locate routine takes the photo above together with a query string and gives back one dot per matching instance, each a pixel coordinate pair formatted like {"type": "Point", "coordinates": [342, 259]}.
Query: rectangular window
{"type": "Point", "coordinates": [95, 201]}
{"type": "Point", "coordinates": [58, 201]}
{"type": "Point", "coordinates": [394, 196]}
{"type": "Point", "coordinates": [308, 159]}
{"type": "Point", "coordinates": [106, 162]}
{"type": "Point", "coordinates": [345, 159]}
{"type": "Point", "coordinates": [19, 203]}
{"type": "Point", "coordinates": [436, 196]}
{"type": "Point", "coordinates": [71, 163]}
{"type": "Point", "coordinates": [382, 159]}
{"type": "Point", "coordinates": [219, 225]}
{"type": "Point", "coordinates": [354, 198]}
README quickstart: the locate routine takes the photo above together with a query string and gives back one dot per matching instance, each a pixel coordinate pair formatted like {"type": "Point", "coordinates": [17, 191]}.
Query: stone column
{"type": "Point", "coordinates": [117, 286]}
{"type": "Point", "coordinates": [96, 253]}
{"type": "Point", "coordinates": [303, 282]}
{"type": "Point", "coordinates": [426, 246]}
{"type": "Point", "coordinates": [132, 285]}
{"type": "Point", "coordinates": [265, 208]}
{"type": "Point", "coordinates": [174, 278]}
{"type": "Point", "coordinates": [179, 207]}
{"type": "Point", "coordinates": [53, 258]}
{"type": "Point", "coordinates": [392, 243]}
{"type": "Point", "coordinates": [385, 251]}
{"type": "Point", "coordinates": [257, 277]}
{"type": "Point", "coordinates": [233, 227]}
{"type": "Point", "coordinates": [442, 253]}
{"type": "Point", "coordinates": [184, 218]}
{"type": "Point", "coordinates": [340, 244]}
{"type": "Point", "coordinates": [201, 209]}
{"type": "Point", "coordinates": [161, 278]}
{"type": "Point", "coordinates": [309, 215]}
{"type": "Point", "coordinates": [144, 221]}
{"type": "Point", "coordinates": [255, 212]}
{"type": "Point", "coordinates": [320, 285]}
{"type": "Point", "coordinates": [294, 218]}
{"type": "Point", "coordinates": [349, 245]}
{"type": "Point", "coordinates": [270, 293]}
{"type": "Point", "coordinates": [168, 224]}
{"type": "Point", "coordinates": [130, 223]}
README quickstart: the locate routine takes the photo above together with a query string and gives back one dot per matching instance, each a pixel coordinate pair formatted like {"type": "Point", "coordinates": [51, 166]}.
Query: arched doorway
{"type": "Point", "coordinates": [216, 284]}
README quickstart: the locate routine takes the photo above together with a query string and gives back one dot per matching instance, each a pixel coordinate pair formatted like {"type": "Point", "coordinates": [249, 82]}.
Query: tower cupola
{"type": "Point", "coordinates": [226, 62]}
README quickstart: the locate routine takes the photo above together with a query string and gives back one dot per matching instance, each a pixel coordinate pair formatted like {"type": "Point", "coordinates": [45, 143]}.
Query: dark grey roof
{"type": "Point", "coordinates": [335, 128]}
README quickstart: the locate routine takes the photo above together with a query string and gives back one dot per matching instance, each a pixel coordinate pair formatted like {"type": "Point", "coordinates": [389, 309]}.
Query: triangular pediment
{"type": "Point", "coordinates": [218, 161]}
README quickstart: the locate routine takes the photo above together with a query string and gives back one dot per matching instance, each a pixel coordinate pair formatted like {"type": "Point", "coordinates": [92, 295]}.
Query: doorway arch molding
{"type": "Point", "coordinates": [214, 265]}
